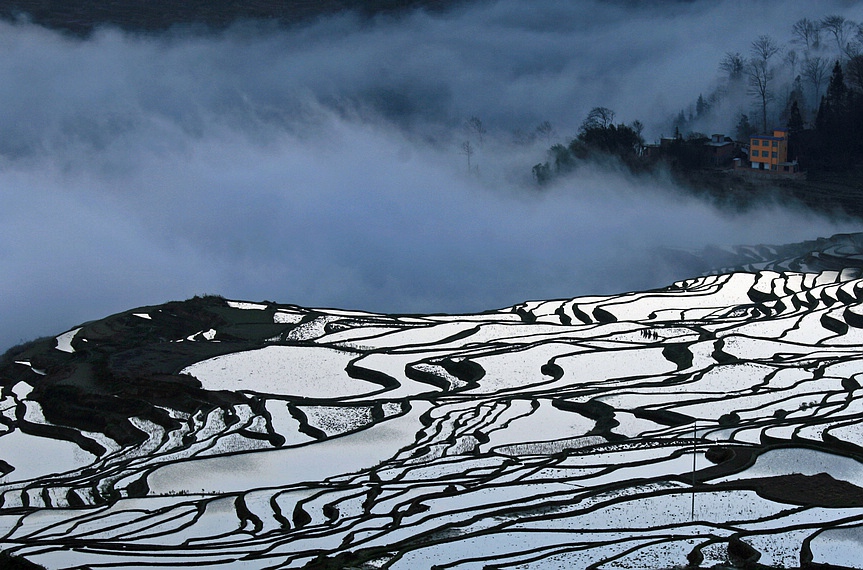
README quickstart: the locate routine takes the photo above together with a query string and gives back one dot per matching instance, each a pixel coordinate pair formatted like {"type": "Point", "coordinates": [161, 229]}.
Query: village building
{"type": "Point", "coordinates": [768, 152]}
{"type": "Point", "coordinates": [722, 150]}
{"type": "Point", "coordinates": [655, 151]}
{"type": "Point", "coordinates": [718, 151]}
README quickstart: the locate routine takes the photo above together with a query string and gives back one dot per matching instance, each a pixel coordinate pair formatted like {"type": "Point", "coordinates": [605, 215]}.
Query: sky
{"type": "Point", "coordinates": [321, 165]}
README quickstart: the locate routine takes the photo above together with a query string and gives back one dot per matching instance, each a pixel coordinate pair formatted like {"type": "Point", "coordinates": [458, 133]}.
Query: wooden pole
{"type": "Point", "coordinates": [694, 447]}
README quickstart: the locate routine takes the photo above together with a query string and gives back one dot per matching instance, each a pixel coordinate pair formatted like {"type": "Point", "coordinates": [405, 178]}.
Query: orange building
{"type": "Point", "coordinates": [771, 152]}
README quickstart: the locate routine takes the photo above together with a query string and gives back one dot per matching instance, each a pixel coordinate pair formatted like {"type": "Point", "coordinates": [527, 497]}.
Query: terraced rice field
{"type": "Point", "coordinates": [714, 422]}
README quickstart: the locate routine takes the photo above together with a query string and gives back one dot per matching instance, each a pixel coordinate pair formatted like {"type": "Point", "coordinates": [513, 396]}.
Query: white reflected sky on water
{"type": "Point", "coordinates": [315, 462]}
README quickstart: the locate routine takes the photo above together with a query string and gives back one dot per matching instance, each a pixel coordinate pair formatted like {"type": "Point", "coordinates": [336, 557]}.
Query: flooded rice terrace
{"type": "Point", "coordinates": [713, 422]}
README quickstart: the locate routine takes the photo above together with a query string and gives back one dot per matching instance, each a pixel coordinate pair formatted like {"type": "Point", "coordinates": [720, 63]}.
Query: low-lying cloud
{"type": "Point", "coordinates": [321, 165]}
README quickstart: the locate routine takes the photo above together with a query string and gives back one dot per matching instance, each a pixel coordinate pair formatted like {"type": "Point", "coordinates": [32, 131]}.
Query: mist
{"type": "Point", "coordinates": [320, 164]}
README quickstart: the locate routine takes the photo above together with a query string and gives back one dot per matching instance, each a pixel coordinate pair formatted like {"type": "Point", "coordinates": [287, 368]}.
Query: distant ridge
{"type": "Point", "coordinates": [83, 16]}
{"type": "Point", "coordinates": [835, 253]}
{"type": "Point", "coordinates": [838, 252]}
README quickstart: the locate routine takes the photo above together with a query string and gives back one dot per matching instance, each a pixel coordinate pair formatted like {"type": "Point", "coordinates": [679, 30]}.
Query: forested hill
{"type": "Point", "coordinates": [82, 16]}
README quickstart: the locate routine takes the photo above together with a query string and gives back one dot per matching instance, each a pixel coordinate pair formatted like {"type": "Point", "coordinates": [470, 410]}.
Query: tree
{"type": "Point", "coordinates": [541, 172]}
{"type": "Point", "coordinates": [744, 130]}
{"type": "Point", "coordinates": [815, 71]}
{"type": "Point", "coordinates": [679, 123]}
{"type": "Point", "coordinates": [467, 150]}
{"type": "Point", "coordinates": [792, 60]}
{"type": "Point", "coordinates": [807, 34]}
{"type": "Point", "coordinates": [834, 124]}
{"type": "Point", "coordinates": [760, 73]}
{"type": "Point", "coordinates": [564, 158]}
{"type": "Point", "coordinates": [638, 127]}
{"type": "Point", "coordinates": [855, 47]}
{"type": "Point", "coordinates": [700, 106]}
{"type": "Point", "coordinates": [520, 137]}
{"type": "Point", "coordinates": [598, 117]}
{"type": "Point", "coordinates": [840, 28]}
{"type": "Point", "coordinates": [733, 65]}
{"type": "Point", "coordinates": [837, 91]}
{"type": "Point", "coordinates": [795, 97]}
{"type": "Point", "coordinates": [598, 133]}
{"type": "Point", "coordinates": [760, 78]}
{"type": "Point", "coordinates": [619, 140]}
{"type": "Point", "coordinates": [764, 48]}
{"type": "Point", "coordinates": [545, 130]}
{"type": "Point", "coordinates": [795, 119]}
{"type": "Point", "coordinates": [855, 73]}
{"type": "Point", "coordinates": [474, 127]}
{"type": "Point", "coordinates": [795, 128]}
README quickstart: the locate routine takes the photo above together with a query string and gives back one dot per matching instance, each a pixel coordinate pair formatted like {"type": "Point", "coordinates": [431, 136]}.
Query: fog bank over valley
{"type": "Point", "coordinates": [322, 164]}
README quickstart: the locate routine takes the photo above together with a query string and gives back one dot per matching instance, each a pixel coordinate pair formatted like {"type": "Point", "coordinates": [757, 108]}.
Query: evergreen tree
{"type": "Point", "coordinates": [700, 106]}
{"type": "Point", "coordinates": [795, 119]}
{"type": "Point", "coordinates": [834, 124]}
{"type": "Point", "coordinates": [795, 96]}
{"type": "Point", "coordinates": [795, 131]}
{"type": "Point", "coordinates": [837, 91]}
{"type": "Point", "coordinates": [855, 72]}
{"type": "Point", "coordinates": [680, 122]}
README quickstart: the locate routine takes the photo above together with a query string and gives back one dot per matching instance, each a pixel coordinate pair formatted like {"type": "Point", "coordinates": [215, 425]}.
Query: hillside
{"type": "Point", "coordinates": [712, 422]}
{"type": "Point", "coordinates": [830, 194]}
